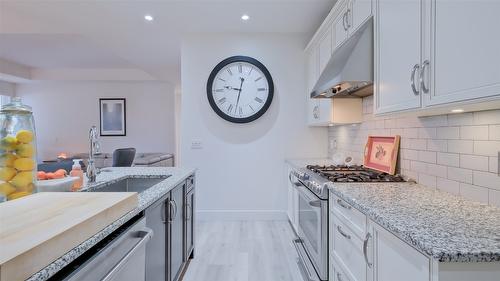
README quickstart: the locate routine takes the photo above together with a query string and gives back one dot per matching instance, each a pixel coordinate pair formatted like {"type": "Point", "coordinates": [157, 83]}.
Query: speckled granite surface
{"type": "Point", "coordinates": [448, 228]}
{"type": "Point", "coordinates": [146, 198]}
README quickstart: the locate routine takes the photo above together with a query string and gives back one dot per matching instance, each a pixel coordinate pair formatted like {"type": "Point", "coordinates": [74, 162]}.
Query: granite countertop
{"type": "Point", "coordinates": [146, 198]}
{"type": "Point", "coordinates": [446, 227]}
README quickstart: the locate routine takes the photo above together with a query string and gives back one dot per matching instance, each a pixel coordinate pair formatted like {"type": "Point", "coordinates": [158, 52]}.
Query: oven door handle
{"type": "Point", "coordinates": [315, 203]}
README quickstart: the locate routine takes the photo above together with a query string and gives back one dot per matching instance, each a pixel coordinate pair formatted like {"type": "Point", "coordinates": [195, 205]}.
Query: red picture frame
{"type": "Point", "coordinates": [381, 153]}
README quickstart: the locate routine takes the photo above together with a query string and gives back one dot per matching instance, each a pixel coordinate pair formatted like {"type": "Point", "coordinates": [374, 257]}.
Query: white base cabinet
{"type": "Point", "coordinates": [394, 260]}
{"type": "Point", "coordinates": [362, 250]}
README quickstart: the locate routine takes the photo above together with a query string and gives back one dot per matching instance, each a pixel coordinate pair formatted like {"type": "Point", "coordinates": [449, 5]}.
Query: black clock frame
{"type": "Point", "coordinates": [231, 60]}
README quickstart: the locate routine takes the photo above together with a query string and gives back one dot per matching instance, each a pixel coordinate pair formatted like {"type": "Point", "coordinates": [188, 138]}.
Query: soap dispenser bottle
{"type": "Point", "coordinates": [76, 171]}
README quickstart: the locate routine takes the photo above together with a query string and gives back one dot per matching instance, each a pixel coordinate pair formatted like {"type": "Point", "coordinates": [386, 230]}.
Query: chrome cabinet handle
{"type": "Point", "coordinates": [188, 211]}
{"type": "Point", "coordinates": [347, 14]}
{"type": "Point", "coordinates": [344, 17]}
{"type": "Point", "coordinates": [339, 229]}
{"type": "Point", "coordinates": [421, 76]}
{"type": "Point", "coordinates": [412, 79]}
{"type": "Point", "coordinates": [341, 203]}
{"type": "Point", "coordinates": [339, 276]}
{"type": "Point", "coordinates": [164, 212]}
{"type": "Point", "coordinates": [365, 249]}
{"type": "Point", "coordinates": [173, 212]}
{"type": "Point", "coordinates": [145, 236]}
{"type": "Point", "coordinates": [316, 112]}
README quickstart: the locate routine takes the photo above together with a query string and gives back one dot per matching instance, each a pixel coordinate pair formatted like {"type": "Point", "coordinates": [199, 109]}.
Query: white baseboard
{"type": "Point", "coordinates": [241, 215]}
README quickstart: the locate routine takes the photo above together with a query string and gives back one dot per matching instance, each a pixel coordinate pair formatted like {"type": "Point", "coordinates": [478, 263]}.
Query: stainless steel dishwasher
{"type": "Point", "coordinates": [122, 257]}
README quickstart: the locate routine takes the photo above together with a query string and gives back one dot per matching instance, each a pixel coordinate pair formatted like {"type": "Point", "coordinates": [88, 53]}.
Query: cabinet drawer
{"type": "Point", "coordinates": [336, 273]}
{"type": "Point", "coordinates": [355, 219]}
{"type": "Point", "coordinates": [347, 248]}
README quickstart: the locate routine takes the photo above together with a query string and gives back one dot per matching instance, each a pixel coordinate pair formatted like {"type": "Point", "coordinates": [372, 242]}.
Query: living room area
{"type": "Point", "coordinates": [135, 122]}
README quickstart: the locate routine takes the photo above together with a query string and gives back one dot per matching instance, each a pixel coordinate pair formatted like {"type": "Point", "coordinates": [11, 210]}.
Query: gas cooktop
{"type": "Point", "coordinates": [352, 173]}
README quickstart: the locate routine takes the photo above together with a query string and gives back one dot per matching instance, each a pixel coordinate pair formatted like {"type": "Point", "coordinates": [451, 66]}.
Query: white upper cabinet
{"type": "Point", "coordinates": [432, 56]}
{"type": "Point", "coordinates": [397, 55]}
{"type": "Point", "coordinates": [340, 23]}
{"type": "Point", "coordinates": [344, 18]}
{"type": "Point", "coordinates": [464, 63]}
{"type": "Point", "coordinates": [359, 12]}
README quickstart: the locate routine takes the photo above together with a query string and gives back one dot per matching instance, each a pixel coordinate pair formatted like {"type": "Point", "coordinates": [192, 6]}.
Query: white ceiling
{"type": "Point", "coordinates": [113, 33]}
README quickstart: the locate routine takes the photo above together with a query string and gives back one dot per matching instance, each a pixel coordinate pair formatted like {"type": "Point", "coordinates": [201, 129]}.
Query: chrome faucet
{"type": "Point", "coordinates": [92, 171]}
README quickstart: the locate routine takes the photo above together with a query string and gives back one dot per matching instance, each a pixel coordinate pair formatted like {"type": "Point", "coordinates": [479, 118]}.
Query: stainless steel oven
{"type": "Point", "coordinates": [312, 245]}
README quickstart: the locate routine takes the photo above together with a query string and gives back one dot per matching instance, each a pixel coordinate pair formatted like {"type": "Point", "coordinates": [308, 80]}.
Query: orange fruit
{"type": "Point", "coordinates": [50, 176]}
{"type": "Point", "coordinates": [61, 172]}
{"type": "Point", "coordinates": [58, 176]}
{"type": "Point", "coordinates": [41, 176]}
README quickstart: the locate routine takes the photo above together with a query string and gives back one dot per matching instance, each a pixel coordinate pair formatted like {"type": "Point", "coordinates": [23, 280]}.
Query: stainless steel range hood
{"type": "Point", "coordinates": [349, 73]}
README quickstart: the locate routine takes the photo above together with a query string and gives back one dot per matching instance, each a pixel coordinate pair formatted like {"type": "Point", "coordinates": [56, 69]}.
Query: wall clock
{"type": "Point", "coordinates": [240, 89]}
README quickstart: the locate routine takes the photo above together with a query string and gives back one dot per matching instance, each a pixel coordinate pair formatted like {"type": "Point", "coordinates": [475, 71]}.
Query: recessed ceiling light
{"type": "Point", "coordinates": [149, 17]}
{"type": "Point", "coordinates": [245, 17]}
{"type": "Point", "coordinates": [458, 110]}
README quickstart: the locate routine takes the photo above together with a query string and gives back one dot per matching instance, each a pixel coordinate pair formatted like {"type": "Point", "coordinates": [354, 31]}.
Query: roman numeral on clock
{"type": "Point", "coordinates": [230, 72]}
{"type": "Point", "coordinates": [261, 89]}
{"type": "Point", "coordinates": [222, 100]}
{"type": "Point", "coordinates": [219, 90]}
{"type": "Point", "coordinates": [257, 99]}
{"type": "Point", "coordinates": [230, 108]}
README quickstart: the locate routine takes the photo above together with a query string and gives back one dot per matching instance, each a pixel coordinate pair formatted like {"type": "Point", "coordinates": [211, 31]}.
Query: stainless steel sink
{"type": "Point", "coordinates": [131, 185]}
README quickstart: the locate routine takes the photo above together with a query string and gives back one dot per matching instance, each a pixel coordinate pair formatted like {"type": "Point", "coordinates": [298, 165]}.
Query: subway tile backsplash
{"type": "Point", "coordinates": [457, 153]}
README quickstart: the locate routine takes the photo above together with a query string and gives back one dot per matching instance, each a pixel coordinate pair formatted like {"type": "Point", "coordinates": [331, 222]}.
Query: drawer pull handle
{"type": "Point", "coordinates": [365, 249]}
{"type": "Point", "coordinates": [339, 229]}
{"type": "Point", "coordinates": [341, 203]}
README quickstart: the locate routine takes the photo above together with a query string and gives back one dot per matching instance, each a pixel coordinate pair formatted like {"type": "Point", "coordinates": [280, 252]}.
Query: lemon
{"type": "Point", "coordinates": [25, 150]}
{"type": "Point", "coordinates": [7, 160]}
{"type": "Point", "coordinates": [22, 180]}
{"type": "Point", "coordinates": [8, 143]}
{"type": "Point", "coordinates": [7, 188]}
{"type": "Point", "coordinates": [29, 188]}
{"type": "Point", "coordinates": [24, 164]}
{"type": "Point", "coordinates": [7, 173]}
{"type": "Point", "coordinates": [17, 195]}
{"type": "Point", "coordinates": [24, 136]}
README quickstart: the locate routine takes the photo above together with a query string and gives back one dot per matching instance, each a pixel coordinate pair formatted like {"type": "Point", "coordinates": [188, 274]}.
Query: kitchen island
{"type": "Point", "coordinates": [171, 177]}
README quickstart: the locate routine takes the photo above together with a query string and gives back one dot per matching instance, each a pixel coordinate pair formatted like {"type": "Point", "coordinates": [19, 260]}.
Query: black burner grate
{"type": "Point", "coordinates": [354, 173]}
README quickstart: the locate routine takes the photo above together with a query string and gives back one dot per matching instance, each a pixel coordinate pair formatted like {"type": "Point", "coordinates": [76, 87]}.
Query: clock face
{"type": "Point", "coordinates": [240, 89]}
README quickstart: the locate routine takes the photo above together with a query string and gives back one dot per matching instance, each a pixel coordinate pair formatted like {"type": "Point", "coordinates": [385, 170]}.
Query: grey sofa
{"type": "Point", "coordinates": [141, 159]}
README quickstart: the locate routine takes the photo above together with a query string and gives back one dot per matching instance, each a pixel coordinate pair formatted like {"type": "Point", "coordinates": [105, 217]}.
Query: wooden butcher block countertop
{"type": "Point", "coordinates": [37, 229]}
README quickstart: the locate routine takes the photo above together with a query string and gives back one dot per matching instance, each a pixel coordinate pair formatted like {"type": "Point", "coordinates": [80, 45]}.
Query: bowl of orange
{"type": "Point", "coordinates": [58, 181]}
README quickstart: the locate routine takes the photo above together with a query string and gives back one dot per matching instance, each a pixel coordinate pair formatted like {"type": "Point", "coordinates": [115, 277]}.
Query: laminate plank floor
{"type": "Point", "coordinates": [244, 251]}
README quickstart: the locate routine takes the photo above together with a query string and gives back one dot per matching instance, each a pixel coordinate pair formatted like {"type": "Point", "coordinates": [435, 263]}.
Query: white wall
{"type": "Point", "coordinates": [241, 167]}
{"type": "Point", "coordinates": [65, 111]}
{"type": "Point", "coordinates": [457, 153]}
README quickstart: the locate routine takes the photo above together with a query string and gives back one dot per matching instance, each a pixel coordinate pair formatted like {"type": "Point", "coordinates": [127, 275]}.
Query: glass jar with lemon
{"type": "Point", "coordinates": [17, 150]}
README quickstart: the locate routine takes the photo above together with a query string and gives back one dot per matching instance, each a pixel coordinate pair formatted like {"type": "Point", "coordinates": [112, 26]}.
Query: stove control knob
{"type": "Point", "coordinates": [305, 176]}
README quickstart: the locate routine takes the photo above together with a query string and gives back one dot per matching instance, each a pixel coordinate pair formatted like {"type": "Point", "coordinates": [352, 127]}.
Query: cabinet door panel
{"type": "Point", "coordinates": [176, 232]}
{"type": "Point", "coordinates": [361, 10]}
{"type": "Point", "coordinates": [394, 260]}
{"type": "Point", "coordinates": [325, 49]}
{"type": "Point", "coordinates": [189, 221]}
{"type": "Point", "coordinates": [156, 248]}
{"type": "Point", "coordinates": [340, 24]}
{"type": "Point", "coordinates": [465, 55]}
{"type": "Point", "coordinates": [397, 51]}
